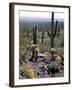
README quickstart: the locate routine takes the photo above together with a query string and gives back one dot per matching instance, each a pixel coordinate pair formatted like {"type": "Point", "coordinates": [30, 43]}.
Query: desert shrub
{"type": "Point", "coordinates": [28, 70]}
{"type": "Point", "coordinates": [43, 48]}
{"type": "Point", "coordinates": [22, 43]}
{"type": "Point", "coordinates": [60, 52]}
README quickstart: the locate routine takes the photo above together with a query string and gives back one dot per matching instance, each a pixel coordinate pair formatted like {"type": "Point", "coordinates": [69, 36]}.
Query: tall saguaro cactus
{"type": "Point", "coordinates": [35, 34]}
{"type": "Point", "coordinates": [53, 30]}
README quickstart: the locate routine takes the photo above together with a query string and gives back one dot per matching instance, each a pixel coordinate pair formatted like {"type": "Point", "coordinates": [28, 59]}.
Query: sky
{"type": "Point", "coordinates": [40, 16]}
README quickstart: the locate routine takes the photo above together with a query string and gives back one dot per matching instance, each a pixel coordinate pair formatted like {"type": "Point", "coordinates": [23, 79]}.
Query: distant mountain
{"type": "Point", "coordinates": [31, 22]}
{"type": "Point", "coordinates": [34, 21]}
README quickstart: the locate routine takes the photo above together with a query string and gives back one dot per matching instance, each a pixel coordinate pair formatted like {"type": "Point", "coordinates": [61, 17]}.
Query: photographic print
{"type": "Point", "coordinates": [41, 44]}
{"type": "Point", "coordinates": [40, 41]}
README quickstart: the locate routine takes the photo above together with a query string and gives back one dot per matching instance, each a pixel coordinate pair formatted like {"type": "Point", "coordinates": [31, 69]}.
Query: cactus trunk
{"type": "Point", "coordinates": [52, 42]}
{"type": "Point", "coordinates": [35, 35]}
{"type": "Point", "coordinates": [52, 26]}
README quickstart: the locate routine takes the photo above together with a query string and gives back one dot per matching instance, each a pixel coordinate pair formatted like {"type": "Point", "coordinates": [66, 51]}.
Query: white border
{"type": "Point", "coordinates": [18, 81]}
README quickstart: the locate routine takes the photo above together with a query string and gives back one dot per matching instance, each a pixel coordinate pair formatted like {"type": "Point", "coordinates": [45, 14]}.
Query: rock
{"type": "Point", "coordinates": [41, 55]}
{"type": "Point", "coordinates": [44, 67]}
{"type": "Point", "coordinates": [53, 68]}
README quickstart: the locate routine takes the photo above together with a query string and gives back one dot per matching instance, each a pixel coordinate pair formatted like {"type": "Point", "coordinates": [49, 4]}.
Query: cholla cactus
{"type": "Point", "coordinates": [27, 70]}
{"type": "Point", "coordinates": [58, 59]}
{"type": "Point", "coordinates": [53, 51]}
{"type": "Point", "coordinates": [57, 54]}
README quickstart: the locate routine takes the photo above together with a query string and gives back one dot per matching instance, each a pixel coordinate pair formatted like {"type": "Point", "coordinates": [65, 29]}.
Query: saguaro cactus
{"type": "Point", "coordinates": [53, 30]}
{"type": "Point", "coordinates": [35, 34]}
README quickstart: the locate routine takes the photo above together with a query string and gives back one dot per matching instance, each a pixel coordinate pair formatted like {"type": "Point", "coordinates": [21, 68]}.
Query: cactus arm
{"type": "Point", "coordinates": [48, 33]}
{"type": "Point", "coordinates": [55, 32]}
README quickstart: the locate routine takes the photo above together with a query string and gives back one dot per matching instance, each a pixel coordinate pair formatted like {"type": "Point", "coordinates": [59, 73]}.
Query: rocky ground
{"type": "Point", "coordinates": [44, 67]}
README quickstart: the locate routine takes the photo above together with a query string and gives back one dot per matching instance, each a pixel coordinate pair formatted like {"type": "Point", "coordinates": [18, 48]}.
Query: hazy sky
{"type": "Point", "coordinates": [40, 16]}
